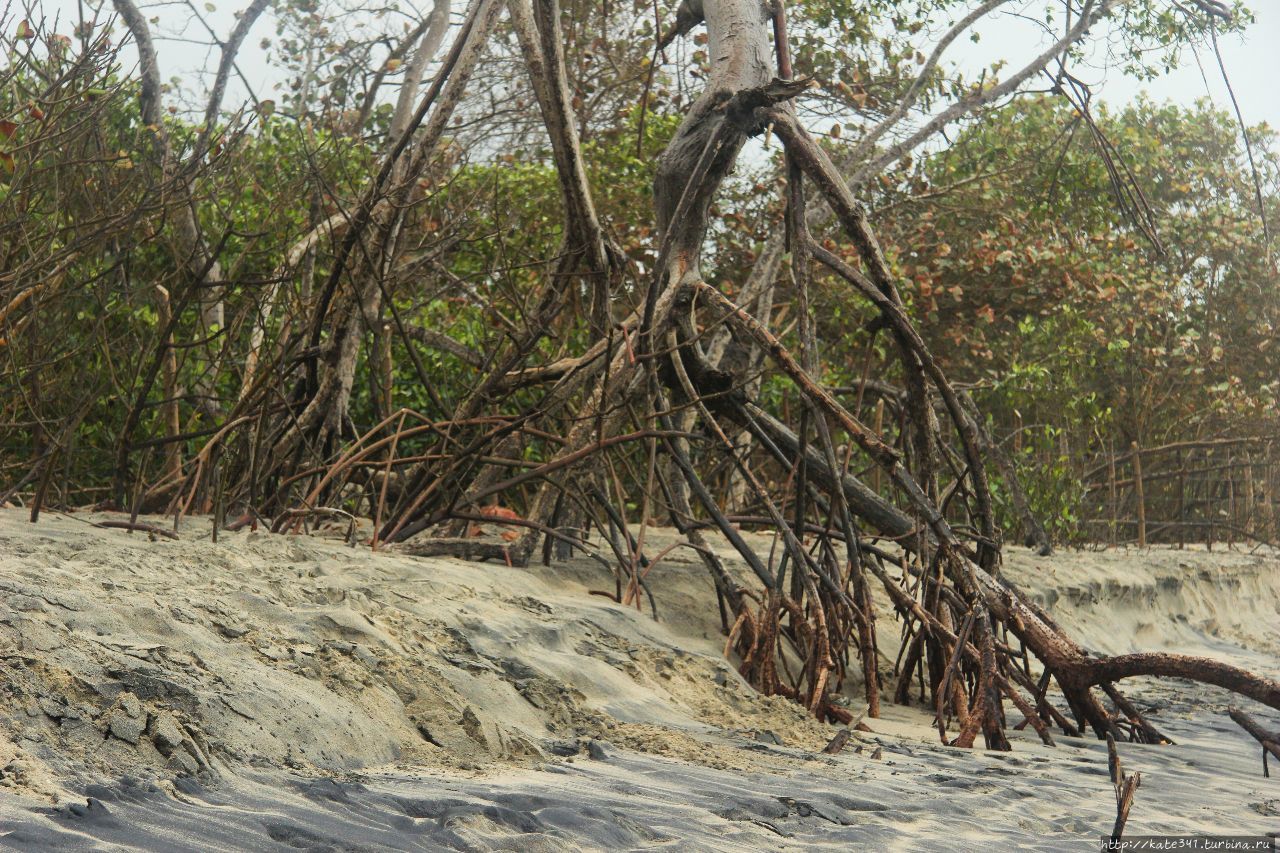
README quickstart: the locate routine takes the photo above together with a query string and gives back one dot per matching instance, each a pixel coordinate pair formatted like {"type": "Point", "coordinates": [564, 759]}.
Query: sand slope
{"type": "Point", "coordinates": [273, 692]}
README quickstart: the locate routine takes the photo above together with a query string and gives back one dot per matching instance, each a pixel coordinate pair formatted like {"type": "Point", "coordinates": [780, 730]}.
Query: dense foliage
{"type": "Point", "coordinates": [1094, 277]}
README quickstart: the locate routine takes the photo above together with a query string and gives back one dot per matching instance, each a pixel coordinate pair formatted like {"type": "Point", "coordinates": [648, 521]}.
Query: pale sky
{"type": "Point", "coordinates": [1252, 61]}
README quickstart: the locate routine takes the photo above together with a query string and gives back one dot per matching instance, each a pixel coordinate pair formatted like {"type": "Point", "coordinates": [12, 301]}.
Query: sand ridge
{"type": "Point", "coordinates": [127, 654]}
{"type": "Point", "coordinates": [165, 681]}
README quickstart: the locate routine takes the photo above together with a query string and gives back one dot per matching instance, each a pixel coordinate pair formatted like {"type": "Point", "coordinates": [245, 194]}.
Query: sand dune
{"type": "Point", "coordinates": [276, 692]}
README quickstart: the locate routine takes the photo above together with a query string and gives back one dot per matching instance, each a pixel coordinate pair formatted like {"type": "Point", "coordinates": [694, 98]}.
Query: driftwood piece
{"type": "Point", "coordinates": [453, 546]}
{"type": "Point", "coordinates": [140, 527]}
{"type": "Point", "coordinates": [1270, 740]}
{"type": "Point", "coordinates": [841, 740]}
{"type": "Point", "coordinates": [838, 742]}
{"type": "Point", "coordinates": [1126, 786]}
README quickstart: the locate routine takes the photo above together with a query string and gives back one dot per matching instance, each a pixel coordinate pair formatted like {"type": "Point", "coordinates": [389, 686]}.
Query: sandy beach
{"type": "Point", "coordinates": [281, 692]}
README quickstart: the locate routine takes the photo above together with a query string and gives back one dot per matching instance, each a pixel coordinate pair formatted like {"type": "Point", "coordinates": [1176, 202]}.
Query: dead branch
{"type": "Point", "coordinates": [1126, 785]}
{"type": "Point", "coordinates": [1270, 741]}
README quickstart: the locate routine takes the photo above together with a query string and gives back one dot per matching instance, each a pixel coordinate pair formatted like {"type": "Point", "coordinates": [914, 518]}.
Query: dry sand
{"type": "Point", "coordinates": [283, 692]}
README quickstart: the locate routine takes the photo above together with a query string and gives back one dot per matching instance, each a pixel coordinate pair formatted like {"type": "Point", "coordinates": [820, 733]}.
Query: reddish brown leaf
{"type": "Point", "coordinates": [499, 512]}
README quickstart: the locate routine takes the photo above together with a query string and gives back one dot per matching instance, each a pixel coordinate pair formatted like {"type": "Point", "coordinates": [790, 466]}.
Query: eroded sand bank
{"type": "Point", "coordinates": [276, 692]}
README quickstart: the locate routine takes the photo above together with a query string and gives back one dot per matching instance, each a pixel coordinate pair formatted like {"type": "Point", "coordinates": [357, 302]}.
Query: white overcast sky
{"type": "Point", "coordinates": [1252, 60]}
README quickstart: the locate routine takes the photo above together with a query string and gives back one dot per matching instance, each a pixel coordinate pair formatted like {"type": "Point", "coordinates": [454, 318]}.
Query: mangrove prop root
{"type": "Point", "coordinates": [626, 393]}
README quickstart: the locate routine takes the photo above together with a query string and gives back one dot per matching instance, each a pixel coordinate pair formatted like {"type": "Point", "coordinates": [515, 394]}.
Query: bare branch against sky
{"type": "Point", "coordinates": [1251, 60]}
